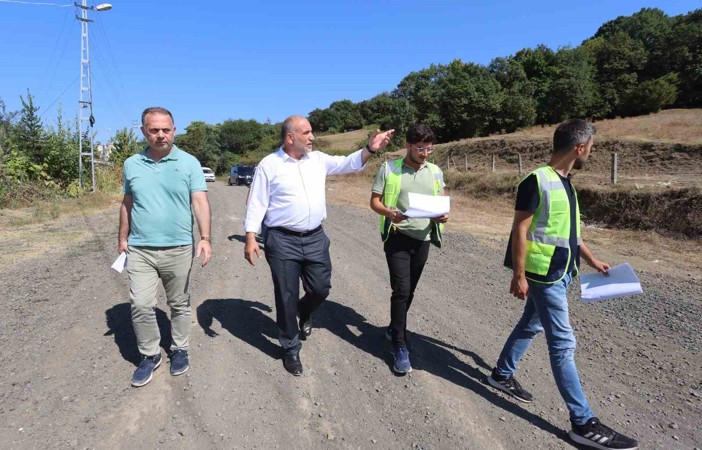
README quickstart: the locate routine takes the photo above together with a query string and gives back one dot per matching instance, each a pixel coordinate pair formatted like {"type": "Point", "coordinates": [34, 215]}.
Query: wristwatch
{"type": "Point", "coordinates": [206, 238]}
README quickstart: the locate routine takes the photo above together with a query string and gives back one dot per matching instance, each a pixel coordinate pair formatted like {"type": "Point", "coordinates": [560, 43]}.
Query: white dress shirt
{"type": "Point", "coordinates": [289, 193]}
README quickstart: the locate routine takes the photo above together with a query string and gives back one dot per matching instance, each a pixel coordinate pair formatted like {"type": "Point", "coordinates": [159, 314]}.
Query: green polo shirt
{"type": "Point", "coordinates": [161, 211]}
{"type": "Point", "coordinates": [418, 181]}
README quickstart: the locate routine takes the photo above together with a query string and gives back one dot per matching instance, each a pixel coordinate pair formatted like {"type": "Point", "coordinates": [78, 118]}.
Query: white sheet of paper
{"type": "Point", "coordinates": [427, 206]}
{"type": "Point", "coordinates": [621, 281]}
{"type": "Point", "coordinates": [120, 262]}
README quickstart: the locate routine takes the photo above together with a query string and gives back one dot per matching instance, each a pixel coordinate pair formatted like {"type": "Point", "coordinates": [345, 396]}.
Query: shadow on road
{"type": "Point", "coordinates": [244, 319]}
{"type": "Point", "coordinates": [119, 323]}
{"type": "Point", "coordinates": [430, 355]}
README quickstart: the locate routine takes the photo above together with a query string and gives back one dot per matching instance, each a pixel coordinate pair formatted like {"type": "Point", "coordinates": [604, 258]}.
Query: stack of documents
{"type": "Point", "coordinates": [621, 281]}
{"type": "Point", "coordinates": [427, 206]}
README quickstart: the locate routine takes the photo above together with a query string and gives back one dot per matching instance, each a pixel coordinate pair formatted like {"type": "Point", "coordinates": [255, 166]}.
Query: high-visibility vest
{"type": "Point", "coordinates": [391, 192]}
{"type": "Point", "coordinates": [550, 229]}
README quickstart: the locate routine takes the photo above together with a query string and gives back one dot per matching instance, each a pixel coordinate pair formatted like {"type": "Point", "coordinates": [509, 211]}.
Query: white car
{"type": "Point", "coordinates": [209, 174]}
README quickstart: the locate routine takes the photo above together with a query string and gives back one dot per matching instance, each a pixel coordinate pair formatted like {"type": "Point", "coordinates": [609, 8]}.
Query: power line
{"type": "Point", "coordinates": [36, 3]}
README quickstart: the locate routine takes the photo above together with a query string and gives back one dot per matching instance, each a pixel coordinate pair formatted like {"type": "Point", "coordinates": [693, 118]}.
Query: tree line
{"type": "Point", "coordinates": [633, 65]}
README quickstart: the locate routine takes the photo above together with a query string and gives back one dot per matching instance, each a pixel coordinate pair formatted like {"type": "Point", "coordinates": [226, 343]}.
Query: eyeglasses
{"type": "Point", "coordinates": [428, 150]}
{"type": "Point", "coordinates": [155, 131]}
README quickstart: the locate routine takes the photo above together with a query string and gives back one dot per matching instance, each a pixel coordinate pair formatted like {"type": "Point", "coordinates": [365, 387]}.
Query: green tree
{"type": "Point", "coordinates": [538, 64]}
{"type": "Point", "coordinates": [325, 120]}
{"type": "Point", "coordinates": [518, 107]}
{"type": "Point", "coordinates": [349, 114]}
{"type": "Point", "coordinates": [60, 152]}
{"type": "Point", "coordinates": [423, 91]}
{"type": "Point", "coordinates": [471, 100]}
{"type": "Point", "coordinates": [29, 131]}
{"type": "Point", "coordinates": [125, 144]}
{"type": "Point", "coordinates": [618, 60]}
{"type": "Point", "coordinates": [652, 95]}
{"type": "Point", "coordinates": [202, 141]}
{"type": "Point", "coordinates": [573, 91]}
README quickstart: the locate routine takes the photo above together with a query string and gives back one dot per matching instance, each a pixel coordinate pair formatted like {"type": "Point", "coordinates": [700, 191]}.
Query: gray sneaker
{"type": "Point", "coordinates": [145, 371]}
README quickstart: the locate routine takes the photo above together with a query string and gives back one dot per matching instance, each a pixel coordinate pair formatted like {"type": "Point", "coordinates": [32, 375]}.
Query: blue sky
{"type": "Point", "coordinates": [221, 60]}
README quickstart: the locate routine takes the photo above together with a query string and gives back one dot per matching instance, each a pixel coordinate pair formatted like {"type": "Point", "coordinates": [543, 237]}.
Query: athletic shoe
{"type": "Point", "coordinates": [402, 362]}
{"type": "Point", "coordinates": [408, 341]}
{"type": "Point", "coordinates": [179, 362]}
{"type": "Point", "coordinates": [597, 435]}
{"type": "Point", "coordinates": [510, 386]}
{"type": "Point", "coordinates": [145, 371]}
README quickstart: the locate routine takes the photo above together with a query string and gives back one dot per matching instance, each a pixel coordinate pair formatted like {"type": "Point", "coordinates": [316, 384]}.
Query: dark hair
{"type": "Point", "coordinates": [572, 133]}
{"type": "Point", "coordinates": [419, 132]}
{"type": "Point", "coordinates": [155, 109]}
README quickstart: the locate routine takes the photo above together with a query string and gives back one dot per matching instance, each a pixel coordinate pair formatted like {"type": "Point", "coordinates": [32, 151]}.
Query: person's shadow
{"type": "Point", "coordinates": [429, 354]}
{"type": "Point", "coordinates": [244, 319]}
{"type": "Point", "coordinates": [119, 323]}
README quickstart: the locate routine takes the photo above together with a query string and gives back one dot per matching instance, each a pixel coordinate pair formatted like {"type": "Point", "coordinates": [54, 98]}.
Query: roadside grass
{"type": "Point", "coordinates": [683, 126]}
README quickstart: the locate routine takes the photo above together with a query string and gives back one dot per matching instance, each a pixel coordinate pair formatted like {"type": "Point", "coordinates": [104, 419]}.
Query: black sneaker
{"type": "Point", "coordinates": [510, 386]}
{"type": "Point", "coordinates": [597, 435]}
{"type": "Point", "coordinates": [144, 373]}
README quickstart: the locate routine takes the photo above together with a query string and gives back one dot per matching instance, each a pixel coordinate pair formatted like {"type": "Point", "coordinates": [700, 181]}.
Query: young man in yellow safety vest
{"type": "Point", "coordinates": [406, 240]}
{"type": "Point", "coordinates": [544, 254]}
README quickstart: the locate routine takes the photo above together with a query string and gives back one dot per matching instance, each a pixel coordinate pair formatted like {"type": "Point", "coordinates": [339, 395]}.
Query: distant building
{"type": "Point", "coordinates": [103, 152]}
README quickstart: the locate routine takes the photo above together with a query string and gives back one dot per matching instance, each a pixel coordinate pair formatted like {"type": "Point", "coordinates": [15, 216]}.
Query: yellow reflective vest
{"type": "Point", "coordinates": [391, 192]}
{"type": "Point", "coordinates": [549, 232]}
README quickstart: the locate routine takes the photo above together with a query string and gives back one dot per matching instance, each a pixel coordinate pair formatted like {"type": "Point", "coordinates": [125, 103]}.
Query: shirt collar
{"type": "Point", "coordinates": [171, 156]}
{"type": "Point", "coordinates": [281, 154]}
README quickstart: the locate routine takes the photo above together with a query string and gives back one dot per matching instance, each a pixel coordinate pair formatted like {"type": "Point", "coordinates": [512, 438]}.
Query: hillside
{"type": "Point", "coordinates": [659, 169]}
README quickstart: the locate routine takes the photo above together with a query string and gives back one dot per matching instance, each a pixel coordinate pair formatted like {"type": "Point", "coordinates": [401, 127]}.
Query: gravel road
{"type": "Point", "coordinates": [68, 350]}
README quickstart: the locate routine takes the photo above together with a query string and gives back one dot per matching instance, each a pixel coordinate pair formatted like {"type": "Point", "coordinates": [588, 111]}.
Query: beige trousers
{"type": "Point", "coordinates": [145, 265]}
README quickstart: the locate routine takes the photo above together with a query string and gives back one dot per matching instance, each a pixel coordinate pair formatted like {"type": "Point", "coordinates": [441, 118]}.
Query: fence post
{"type": "Point", "coordinates": [521, 170]}
{"type": "Point", "coordinates": [466, 160]}
{"type": "Point", "coordinates": [614, 167]}
{"type": "Point", "coordinates": [493, 162]}
{"type": "Point", "coordinates": [448, 163]}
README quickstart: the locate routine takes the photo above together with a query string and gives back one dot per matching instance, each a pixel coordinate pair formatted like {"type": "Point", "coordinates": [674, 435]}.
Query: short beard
{"type": "Point", "coordinates": [578, 164]}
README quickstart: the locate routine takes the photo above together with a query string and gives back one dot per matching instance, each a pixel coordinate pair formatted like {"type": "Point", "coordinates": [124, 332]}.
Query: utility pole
{"type": "Point", "coordinates": [85, 99]}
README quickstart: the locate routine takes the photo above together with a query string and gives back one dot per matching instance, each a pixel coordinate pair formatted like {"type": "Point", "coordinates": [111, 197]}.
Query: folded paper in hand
{"type": "Point", "coordinates": [621, 281]}
{"type": "Point", "coordinates": [120, 262]}
{"type": "Point", "coordinates": [427, 206]}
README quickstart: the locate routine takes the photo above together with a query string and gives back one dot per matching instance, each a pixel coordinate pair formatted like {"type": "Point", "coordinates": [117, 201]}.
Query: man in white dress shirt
{"type": "Point", "coordinates": [288, 196]}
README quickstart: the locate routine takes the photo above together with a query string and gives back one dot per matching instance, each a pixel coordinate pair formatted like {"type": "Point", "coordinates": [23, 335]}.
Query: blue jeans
{"type": "Point", "coordinates": [546, 309]}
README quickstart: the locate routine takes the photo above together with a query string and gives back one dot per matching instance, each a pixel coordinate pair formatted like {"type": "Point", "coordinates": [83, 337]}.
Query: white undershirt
{"type": "Point", "coordinates": [291, 193]}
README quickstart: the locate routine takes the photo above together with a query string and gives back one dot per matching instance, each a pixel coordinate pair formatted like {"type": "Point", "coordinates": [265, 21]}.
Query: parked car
{"type": "Point", "coordinates": [209, 174]}
{"type": "Point", "coordinates": [241, 175]}
{"type": "Point", "coordinates": [233, 172]}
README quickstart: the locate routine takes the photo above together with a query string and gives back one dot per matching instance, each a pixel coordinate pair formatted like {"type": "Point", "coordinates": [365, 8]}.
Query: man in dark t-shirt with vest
{"type": "Point", "coordinates": [544, 253]}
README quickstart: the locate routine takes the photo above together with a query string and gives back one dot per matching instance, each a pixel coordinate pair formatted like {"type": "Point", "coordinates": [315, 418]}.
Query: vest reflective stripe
{"type": "Point", "coordinates": [550, 228]}
{"type": "Point", "coordinates": [391, 193]}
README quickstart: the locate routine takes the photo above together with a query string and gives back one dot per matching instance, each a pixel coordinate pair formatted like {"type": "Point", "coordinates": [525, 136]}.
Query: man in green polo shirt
{"type": "Point", "coordinates": [163, 187]}
{"type": "Point", "coordinates": [406, 240]}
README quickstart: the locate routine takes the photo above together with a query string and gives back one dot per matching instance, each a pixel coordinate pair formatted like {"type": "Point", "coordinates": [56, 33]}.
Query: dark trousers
{"type": "Point", "coordinates": [406, 258]}
{"type": "Point", "coordinates": [292, 258]}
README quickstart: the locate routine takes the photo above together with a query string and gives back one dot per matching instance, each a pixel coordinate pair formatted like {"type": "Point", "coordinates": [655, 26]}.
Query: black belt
{"type": "Point", "coordinates": [296, 233]}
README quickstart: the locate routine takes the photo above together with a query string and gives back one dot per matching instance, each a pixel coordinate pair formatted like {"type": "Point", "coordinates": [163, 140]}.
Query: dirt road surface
{"type": "Point", "coordinates": [67, 351]}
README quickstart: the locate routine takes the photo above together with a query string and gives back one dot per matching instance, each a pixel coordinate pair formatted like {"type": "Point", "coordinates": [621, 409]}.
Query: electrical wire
{"type": "Point", "coordinates": [36, 3]}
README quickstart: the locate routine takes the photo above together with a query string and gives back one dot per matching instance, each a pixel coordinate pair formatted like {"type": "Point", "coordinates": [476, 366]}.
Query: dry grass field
{"type": "Point", "coordinates": [680, 126]}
